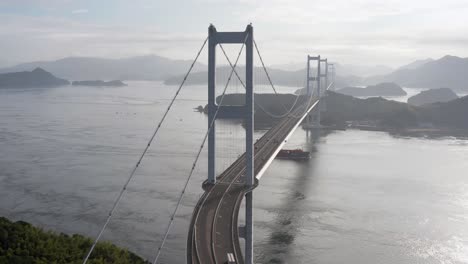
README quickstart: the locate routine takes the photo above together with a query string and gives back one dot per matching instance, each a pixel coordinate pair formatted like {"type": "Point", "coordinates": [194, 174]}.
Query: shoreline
{"type": "Point", "coordinates": [23, 242]}
{"type": "Point", "coordinates": [408, 132]}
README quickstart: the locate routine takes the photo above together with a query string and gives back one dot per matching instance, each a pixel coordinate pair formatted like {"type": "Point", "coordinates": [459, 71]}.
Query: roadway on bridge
{"type": "Point", "coordinates": [214, 226]}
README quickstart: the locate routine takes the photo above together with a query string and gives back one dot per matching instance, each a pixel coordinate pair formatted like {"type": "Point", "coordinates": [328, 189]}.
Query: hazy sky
{"type": "Point", "coordinates": [389, 32]}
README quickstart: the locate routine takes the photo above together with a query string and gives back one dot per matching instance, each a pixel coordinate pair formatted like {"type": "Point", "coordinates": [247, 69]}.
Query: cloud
{"type": "Point", "coordinates": [27, 38]}
{"type": "Point", "coordinates": [349, 31]}
{"type": "Point", "coordinates": [80, 11]}
{"type": "Point", "coordinates": [360, 31]}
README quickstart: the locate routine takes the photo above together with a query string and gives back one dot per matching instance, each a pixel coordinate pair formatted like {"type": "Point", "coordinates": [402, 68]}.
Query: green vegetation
{"type": "Point", "coordinates": [20, 242]}
{"type": "Point", "coordinates": [387, 114]}
{"type": "Point", "coordinates": [266, 107]}
{"type": "Point", "coordinates": [375, 112]}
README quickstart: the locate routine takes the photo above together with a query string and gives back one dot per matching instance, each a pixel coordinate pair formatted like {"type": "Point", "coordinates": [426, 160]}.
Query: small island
{"type": "Point", "coordinates": [381, 89]}
{"type": "Point", "coordinates": [114, 83]}
{"type": "Point", "coordinates": [20, 242]}
{"type": "Point", "coordinates": [29, 79]}
{"type": "Point", "coordinates": [433, 96]}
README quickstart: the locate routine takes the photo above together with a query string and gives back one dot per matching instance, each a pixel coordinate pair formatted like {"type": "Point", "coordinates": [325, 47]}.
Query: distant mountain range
{"type": "Point", "coordinates": [413, 65]}
{"type": "Point", "coordinates": [362, 70]}
{"type": "Point", "coordinates": [448, 71]}
{"type": "Point", "coordinates": [149, 67]}
{"type": "Point", "coordinates": [279, 77]}
{"type": "Point", "coordinates": [343, 69]}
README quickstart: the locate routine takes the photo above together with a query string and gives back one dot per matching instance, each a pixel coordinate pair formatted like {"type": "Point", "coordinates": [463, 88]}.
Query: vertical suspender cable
{"type": "Point", "coordinates": [256, 103]}
{"type": "Point", "coordinates": [194, 164]}
{"type": "Point", "coordinates": [132, 173]}
{"type": "Point", "coordinates": [264, 68]}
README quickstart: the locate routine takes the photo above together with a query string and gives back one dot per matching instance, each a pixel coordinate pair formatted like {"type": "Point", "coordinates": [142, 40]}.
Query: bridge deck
{"type": "Point", "coordinates": [214, 226]}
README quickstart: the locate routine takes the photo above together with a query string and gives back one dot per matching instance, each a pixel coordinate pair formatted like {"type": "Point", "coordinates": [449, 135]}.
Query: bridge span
{"type": "Point", "coordinates": [214, 232]}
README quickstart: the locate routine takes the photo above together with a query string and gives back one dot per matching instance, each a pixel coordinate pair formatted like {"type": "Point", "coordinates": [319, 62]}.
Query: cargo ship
{"type": "Point", "coordinates": [293, 154]}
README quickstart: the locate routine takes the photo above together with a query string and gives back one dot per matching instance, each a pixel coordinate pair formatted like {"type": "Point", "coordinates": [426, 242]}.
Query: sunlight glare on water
{"type": "Point", "coordinates": [364, 197]}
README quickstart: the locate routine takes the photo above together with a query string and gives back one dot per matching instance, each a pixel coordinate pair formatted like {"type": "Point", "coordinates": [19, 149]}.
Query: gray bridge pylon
{"type": "Point", "coordinates": [245, 111]}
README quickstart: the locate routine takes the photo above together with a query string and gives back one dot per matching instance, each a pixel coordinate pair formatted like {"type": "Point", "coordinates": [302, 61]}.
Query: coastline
{"type": "Point", "coordinates": [23, 242]}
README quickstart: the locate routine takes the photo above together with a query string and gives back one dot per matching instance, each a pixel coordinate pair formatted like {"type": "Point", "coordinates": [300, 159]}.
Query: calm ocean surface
{"type": "Point", "coordinates": [363, 197]}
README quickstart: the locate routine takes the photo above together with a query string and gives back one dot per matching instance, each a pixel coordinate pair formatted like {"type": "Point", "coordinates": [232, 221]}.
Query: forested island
{"type": "Point", "coordinates": [20, 242]}
{"type": "Point", "coordinates": [41, 78]}
{"type": "Point", "coordinates": [26, 79]}
{"type": "Point", "coordinates": [375, 113]}
{"type": "Point", "coordinates": [268, 107]}
{"type": "Point", "coordinates": [381, 89]}
{"type": "Point", "coordinates": [392, 115]}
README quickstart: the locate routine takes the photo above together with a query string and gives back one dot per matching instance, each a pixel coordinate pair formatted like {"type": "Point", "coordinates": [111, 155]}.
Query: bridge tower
{"type": "Point", "coordinates": [321, 79]}
{"type": "Point", "coordinates": [321, 107]}
{"type": "Point", "coordinates": [245, 111]}
{"type": "Point", "coordinates": [332, 75]}
{"type": "Point", "coordinates": [311, 119]}
{"type": "Point", "coordinates": [324, 75]}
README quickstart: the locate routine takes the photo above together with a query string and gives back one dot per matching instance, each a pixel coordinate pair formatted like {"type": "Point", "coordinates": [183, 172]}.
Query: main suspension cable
{"type": "Point", "coordinates": [197, 157]}
{"type": "Point", "coordinates": [132, 173]}
{"type": "Point", "coordinates": [256, 103]}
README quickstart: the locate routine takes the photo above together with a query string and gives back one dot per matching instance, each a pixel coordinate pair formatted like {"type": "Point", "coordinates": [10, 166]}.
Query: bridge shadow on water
{"type": "Point", "coordinates": [279, 247]}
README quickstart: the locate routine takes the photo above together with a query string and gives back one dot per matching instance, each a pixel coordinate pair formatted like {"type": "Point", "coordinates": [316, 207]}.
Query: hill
{"type": "Point", "coordinates": [36, 78]}
{"type": "Point", "coordinates": [433, 96]}
{"type": "Point", "coordinates": [20, 242]}
{"type": "Point", "coordinates": [386, 114]}
{"type": "Point", "coordinates": [452, 114]}
{"type": "Point", "coordinates": [149, 67]}
{"type": "Point", "coordinates": [448, 71]}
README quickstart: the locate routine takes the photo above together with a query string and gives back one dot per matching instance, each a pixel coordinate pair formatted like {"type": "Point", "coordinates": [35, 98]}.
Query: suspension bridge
{"type": "Point", "coordinates": [214, 232]}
